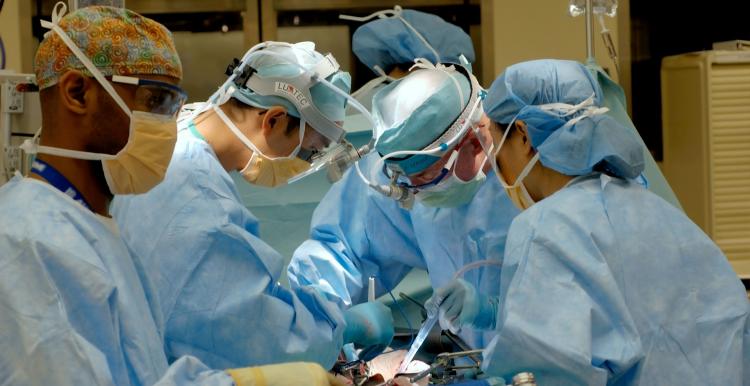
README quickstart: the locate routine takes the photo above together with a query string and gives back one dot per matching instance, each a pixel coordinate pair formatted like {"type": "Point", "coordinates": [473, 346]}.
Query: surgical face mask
{"type": "Point", "coordinates": [142, 163]}
{"type": "Point", "coordinates": [517, 192]}
{"type": "Point", "coordinates": [268, 172]}
{"type": "Point", "coordinates": [264, 170]}
{"type": "Point", "coordinates": [452, 192]}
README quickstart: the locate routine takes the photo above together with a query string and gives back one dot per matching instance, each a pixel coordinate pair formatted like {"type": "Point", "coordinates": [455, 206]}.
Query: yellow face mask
{"type": "Point", "coordinates": [269, 172]}
{"type": "Point", "coordinates": [142, 163]}
{"type": "Point", "coordinates": [263, 170]}
{"type": "Point", "coordinates": [517, 193]}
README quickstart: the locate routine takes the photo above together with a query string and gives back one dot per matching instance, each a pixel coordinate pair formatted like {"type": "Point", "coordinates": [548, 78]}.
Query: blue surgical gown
{"type": "Point", "coordinates": [606, 283]}
{"type": "Point", "coordinates": [217, 281]}
{"type": "Point", "coordinates": [357, 233]}
{"type": "Point", "coordinates": [74, 306]}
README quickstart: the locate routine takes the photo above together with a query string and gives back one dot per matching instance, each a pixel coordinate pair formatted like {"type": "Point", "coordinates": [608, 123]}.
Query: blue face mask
{"type": "Point", "coordinates": [452, 193]}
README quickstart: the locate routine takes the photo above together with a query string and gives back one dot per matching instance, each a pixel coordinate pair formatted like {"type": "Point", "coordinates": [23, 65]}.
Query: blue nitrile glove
{"type": "Point", "coordinates": [459, 304]}
{"type": "Point", "coordinates": [369, 325]}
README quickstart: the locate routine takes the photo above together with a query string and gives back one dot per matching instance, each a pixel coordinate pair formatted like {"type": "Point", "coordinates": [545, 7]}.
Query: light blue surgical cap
{"type": "Point", "coordinates": [330, 103]}
{"type": "Point", "coordinates": [414, 111]}
{"type": "Point", "coordinates": [388, 42]}
{"type": "Point", "coordinates": [597, 142]}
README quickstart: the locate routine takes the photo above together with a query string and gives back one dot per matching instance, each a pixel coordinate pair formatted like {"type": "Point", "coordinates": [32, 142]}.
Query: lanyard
{"type": "Point", "coordinates": [57, 180]}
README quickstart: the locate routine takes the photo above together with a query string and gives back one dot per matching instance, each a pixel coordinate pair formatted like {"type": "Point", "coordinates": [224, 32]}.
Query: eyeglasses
{"type": "Point", "coordinates": [154, 96]}
{"type": "Point", "coordinates": [435, 176]}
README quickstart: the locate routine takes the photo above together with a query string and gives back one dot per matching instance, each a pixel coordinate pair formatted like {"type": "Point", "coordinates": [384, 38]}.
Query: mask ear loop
{"type": "Point", "coordinates": [493, 151]}
{"type": "Point", "coordinates": [526, 168]}
{"type": "Point", "coordinates": [249, 144]}
{"type": "Point", "coordinates": [564, 110]}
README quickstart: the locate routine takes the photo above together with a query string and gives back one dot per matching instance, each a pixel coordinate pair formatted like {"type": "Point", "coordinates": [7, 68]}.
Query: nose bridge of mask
{"type": "Point", "coordinates": [31, 146]}
{"type": "Point", "coordinates": [250, 145]}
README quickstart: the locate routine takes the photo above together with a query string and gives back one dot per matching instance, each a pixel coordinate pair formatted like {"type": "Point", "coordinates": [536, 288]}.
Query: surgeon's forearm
{"type": "Point", "coordinates": [189, 371]}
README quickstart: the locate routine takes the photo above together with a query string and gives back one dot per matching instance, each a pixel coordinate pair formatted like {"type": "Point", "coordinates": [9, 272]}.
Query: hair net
{"type": "Point", "coordinates": [388, 42]}
{"type": "Point", "coordinates": [414, 111]}
{"type": "Point", "coordinates": [565, 144]}
{"type": "Point", "coordinates": [331, 104]}
{"type": "Point", "coordinates": [118, 42]}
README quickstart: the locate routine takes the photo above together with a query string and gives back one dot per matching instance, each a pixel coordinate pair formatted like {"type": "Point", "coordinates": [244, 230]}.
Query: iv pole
{"type": "Point", "coordinates": [589, 12]}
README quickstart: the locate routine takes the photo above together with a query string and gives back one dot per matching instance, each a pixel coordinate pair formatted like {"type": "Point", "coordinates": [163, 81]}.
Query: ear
{"type": "Point", "coordinates": [275, 120]}
{"type": "Point", "coordinates": [473, 141]}
{"type": "Point", "coordinates": [72, 88]}
{"type": "Point", "coordinates": [524, 133]}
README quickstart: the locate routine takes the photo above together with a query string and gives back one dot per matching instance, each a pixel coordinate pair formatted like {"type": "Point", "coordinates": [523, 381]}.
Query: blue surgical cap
{"type": "Point", "coordinates": [388, 42]}
{"type": "Point", "coordinates": [414, 111]}
{"type": "Point", "coordinates": [597, 142]}
{"type": "Point", "coordinates": [330, 103]}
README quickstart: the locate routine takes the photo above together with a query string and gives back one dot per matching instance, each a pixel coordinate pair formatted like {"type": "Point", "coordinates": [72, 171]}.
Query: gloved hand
{"type": "Point", "coordinates": [370, 325]}
{"type": "Point", "coordinates": [295, 373]}
{"type": "Point", "coordinates": [459, 304]}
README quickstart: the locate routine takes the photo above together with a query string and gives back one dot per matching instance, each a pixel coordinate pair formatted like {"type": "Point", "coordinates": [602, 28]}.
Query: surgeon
{"type": "Point", "coordinates": [389, 45]}
{"type": "Point", "coordinates": [76, 307]}
{"type": "Point", "coordinates": [282, 106]}
{"type": "Point", "coordinates": [445, 214]}
{"type": "Point", "coordinates": [603, 282]}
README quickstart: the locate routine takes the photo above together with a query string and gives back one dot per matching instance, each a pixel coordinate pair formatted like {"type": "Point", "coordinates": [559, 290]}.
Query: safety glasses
{"type": "Point", "coordinates": [432, 180]}
{"type": "Point", "coordinates": [154, 96]}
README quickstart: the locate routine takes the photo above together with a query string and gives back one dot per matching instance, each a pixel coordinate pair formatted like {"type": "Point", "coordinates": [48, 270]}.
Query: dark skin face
{"type": "Point", "coordinates": [79, 114]}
